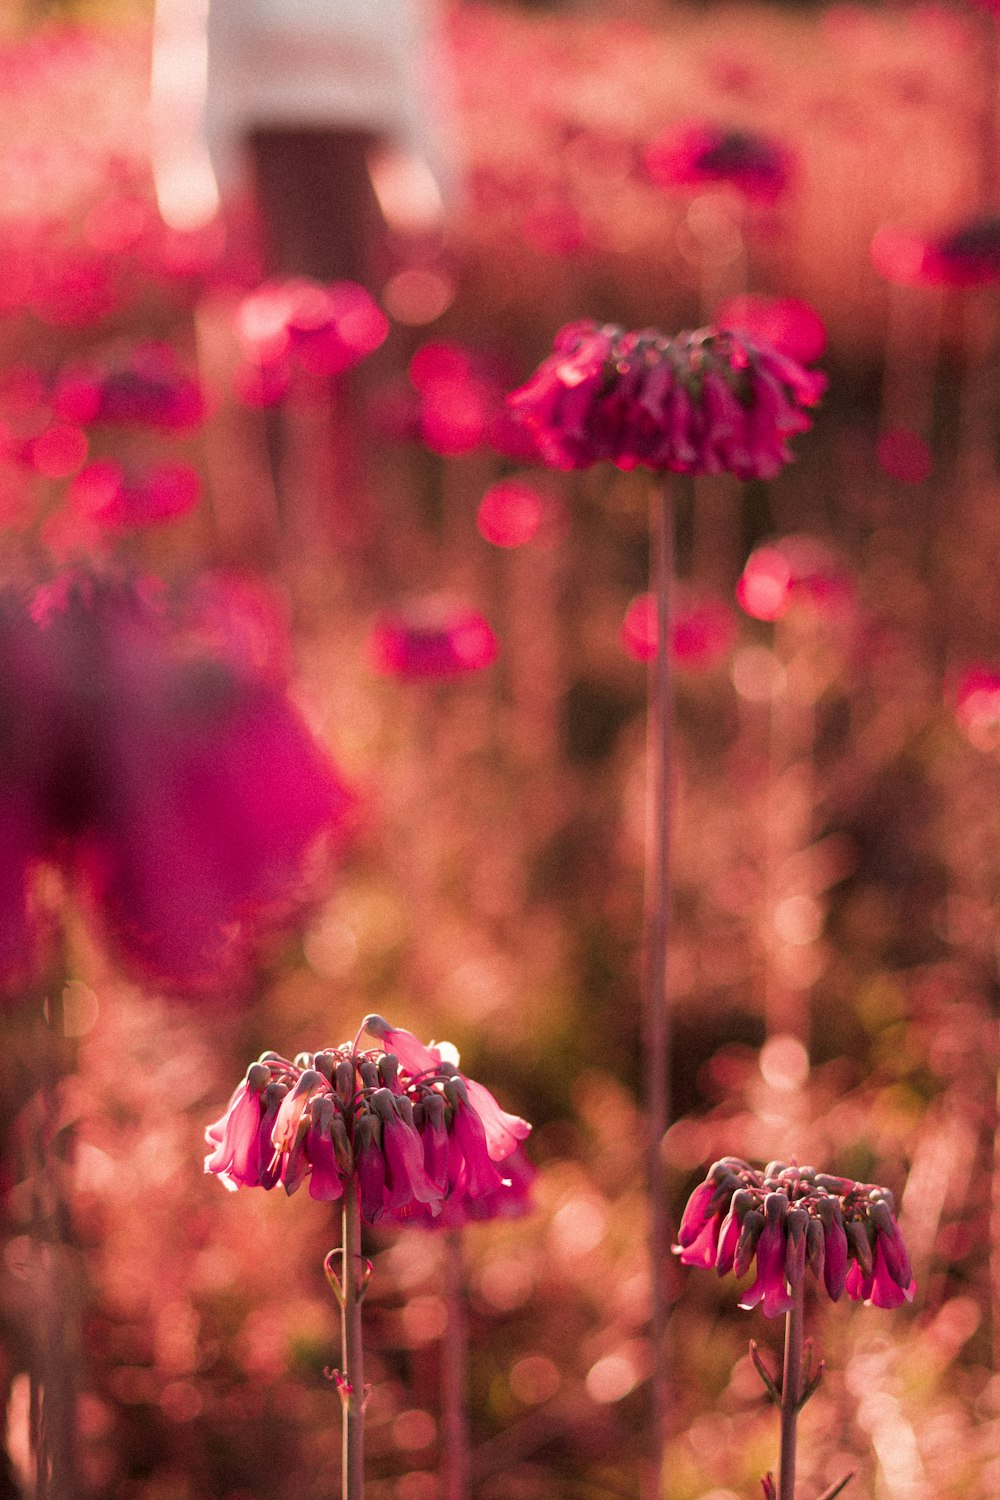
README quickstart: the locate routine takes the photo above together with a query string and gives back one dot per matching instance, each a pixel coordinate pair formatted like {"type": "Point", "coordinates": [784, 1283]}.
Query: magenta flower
{"type": "Point", "coordinates": [706, 402]}
{"type": "Point", "coordinates": [967, 256]}
{"type": "Point", "coordinates": [303, 324]}
{"type": "Point", "coordinates": [175, 785]}
{"type": "Point", "coordinates": [145, 386]}
{"type": "Point", "coordinates": [104, 493]}
{"type": "Point", "coordinates": [977, 707]}
{"type": "Point", "coordinates": [698, 155]}
{"type": "Point", "coordinates": [424, 1143]}
{"type": "Point", "coordinates": [432, 639]}
{"type": "Point", "coordinates": [790, 1219]}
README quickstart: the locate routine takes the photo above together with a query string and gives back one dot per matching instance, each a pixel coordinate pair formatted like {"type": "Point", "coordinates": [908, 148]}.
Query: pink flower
{"type": "Point", "coordinates": [791, 1219]}
{"type": "Point", "coordinates": [770, 1286]}
{"type": "Point", "coordinates": [302, 324]}
{"type": "Point", "coordinates": [424, 1143]}
{"type": "Point", "coordinates": [175, 785]}
{"type": "Point", "coordinates": [432, 639]}
{"type": "Point", "coordinates": [698, 155]}
{"type": "Point", "coordinates": [144, 386]}
{"type": "Point", "coordinates": [786, 323]}
{"type": "Point", "coordinates": [977, 707]}
{"type": "Point", "coordinates": [967, 256]}
{"type": "Point", "coordinates": [105, 493]}
{"type": "Point", "coordinates": [706, 402]}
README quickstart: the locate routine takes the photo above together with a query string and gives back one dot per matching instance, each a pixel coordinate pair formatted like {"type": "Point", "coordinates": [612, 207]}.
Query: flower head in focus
{"type": "Point", "coordinates": [698, 155]}
{"type": "Point", "coordinates": [788, 1218]}
{"type": "Point", "coordinates": [424, 1142]}
{"type": "Point", "coordinates": [706, 402]}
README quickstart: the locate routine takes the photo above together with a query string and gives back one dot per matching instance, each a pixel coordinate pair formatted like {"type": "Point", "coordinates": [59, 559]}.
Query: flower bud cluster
{"type": "Point", "coordinates": [710, 401]}
{"type": "Point", "coordinates": [789, 1218]}
{"type": "Point", "coordinates": [421, 1140]}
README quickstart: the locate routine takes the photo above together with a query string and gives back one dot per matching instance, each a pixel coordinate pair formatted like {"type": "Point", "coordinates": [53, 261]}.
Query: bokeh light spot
{"type": "Point", "coordinates": [784, 1063]}
{"type": "Point", "coordinates": [611, 1378]}
{"type": "Point", "coordinates": [534, 1379]}
{"type": "Point", "coordinates": [509, 514]}
{"type": "Point", "coordinates": [904, 455]}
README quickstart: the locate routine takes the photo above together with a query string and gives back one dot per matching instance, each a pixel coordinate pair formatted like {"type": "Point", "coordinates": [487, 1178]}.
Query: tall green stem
{"type": "Point", "coordinates": [657, 1018]}
{"type": "Point", "coordinates": [352, 1371]}
{"type": "Point", "coordinates": [791, 1395]}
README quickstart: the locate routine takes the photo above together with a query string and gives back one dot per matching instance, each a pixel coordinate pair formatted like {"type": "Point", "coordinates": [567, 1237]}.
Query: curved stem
{"type": "Point", "coordinates": [352, 1374]}
{"type": "Point", "coordinates": [791, 1395]}
{"type": "Point", "coordinates": [657, 1019]}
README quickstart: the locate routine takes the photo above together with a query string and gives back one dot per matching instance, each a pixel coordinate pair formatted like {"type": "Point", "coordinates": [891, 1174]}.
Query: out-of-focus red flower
{"type": "Point", "coordinates": [700, 155]}
{"type": "Point", "coordinates": [790, 1218]}
{"type": "Point", "coordinates": [966, 256]}
{"type": "Point", "coordinates": [425, 1144]}
{"type": "Point", "coordinates": [706, 402]}
{"type": "Point", "coordinates": [977, 707]}
{"type": "Point", "coordinates": [432, 639]}
{"type": "Point", "coordinates": [701, 631]}
{"type": "Point", "coordinates": [299, 323]}
{"type": "Point", "coordinates": [146, 386]}
{"type": "Point", "coordinates": [178, 788]}
{"type": "Point", "coordinates": [796, 569]}
{"type": "Point", "coordinates": [104, 492]}
{"type": "Point", "coordinates": [787, 323]}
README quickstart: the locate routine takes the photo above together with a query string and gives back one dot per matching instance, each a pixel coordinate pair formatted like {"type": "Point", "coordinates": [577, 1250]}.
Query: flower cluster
{"type": "Point", "coordinates": [710, 401]}
{"type": "Point", "coordinates": [421, 1140]}
{"type": "Point", "coordinates": [791, 1217]}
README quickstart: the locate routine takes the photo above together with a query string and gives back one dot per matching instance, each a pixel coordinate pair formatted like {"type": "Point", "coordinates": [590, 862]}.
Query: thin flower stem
{"type": "Point", "coordinates": [454, 1354]}
{"type": "Point", "coordinates": [352, 1374]}
{"type": "Point", "coordinates": [791, 1395]}
{"type": "Point", "coordinates": [657, 1019]}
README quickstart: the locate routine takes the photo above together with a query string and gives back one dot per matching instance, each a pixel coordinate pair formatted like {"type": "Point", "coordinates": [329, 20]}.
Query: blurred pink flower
{"type": "Point", "coordinates": [794, 570]}
{"type": "Point", "coordinates": [144, 386]}
{"type": "Point", "coordinates": [966, 256]}
{"type": "Point", "coordinates": [104, 492]}
{"type": "Point", "coordinates": [787, 323]}
{"type": "Point", "coordinates": [175, 785]}
{"type": "Point", "coordinates": [700, 155]}
{"type": "Point", "coordinates": [303, 324]}
{"type": "Point", "coordinates": [432, 639]}
{"type": "Point", "coordinates": [791, 1218]}
{"type": "Point", "coordinates": [976, 699]}
{"type": "Point", "coordinates": [701, 631]}
{"type": "Point", "coordinates": [705, 402]}
{"type": "Point", "coordinates": [420, 1138]}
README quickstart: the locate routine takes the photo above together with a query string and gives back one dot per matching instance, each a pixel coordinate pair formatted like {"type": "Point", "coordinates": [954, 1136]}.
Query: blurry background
{"type": "Point", "coordinates": [835, 952]}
